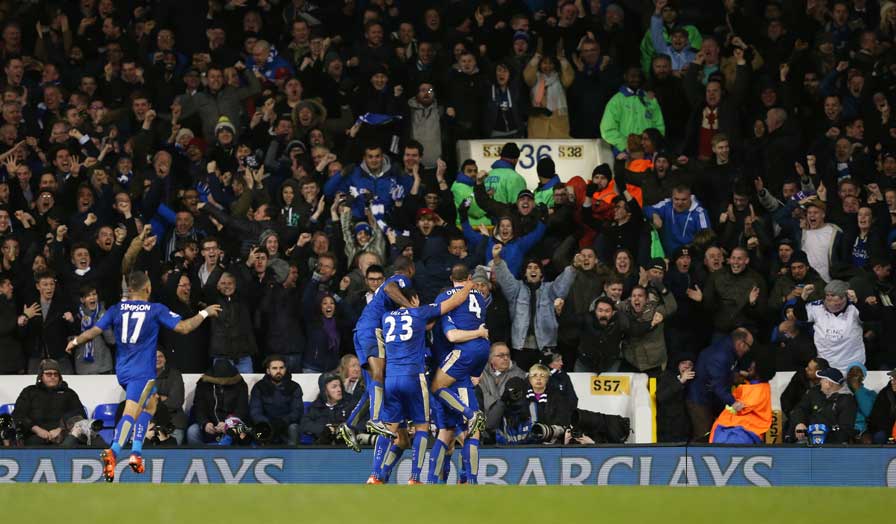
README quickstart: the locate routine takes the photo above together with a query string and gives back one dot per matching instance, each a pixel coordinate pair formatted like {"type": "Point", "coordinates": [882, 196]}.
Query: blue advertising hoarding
{"type": "Point", "coordinates": [634, 465]}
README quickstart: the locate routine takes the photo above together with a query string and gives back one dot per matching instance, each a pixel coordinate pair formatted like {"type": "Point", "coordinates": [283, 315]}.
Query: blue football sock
{"type": "Point", "coordinates": [452, 401]}
{"type": "Point", "coordinates": [140, 431]}
{"type": "Point", "coordinates": [122, 432]}
{"type": "Point", "coordinates": [471, 459]}
{"type": "Point", "coordinates": [379, 454]}
{"type": "Point", "coordinates": [446, 468]}
{"type": "Point", "coordinates": [421, 439]}
{"type": "Point", "coordinates": [392, 457]}
{"type": "Point", "coordinates": [436, 461]}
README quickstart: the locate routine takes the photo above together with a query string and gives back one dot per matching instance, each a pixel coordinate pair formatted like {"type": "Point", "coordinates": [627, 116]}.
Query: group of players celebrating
{"type": "Point", "coordinates": [391, 343]}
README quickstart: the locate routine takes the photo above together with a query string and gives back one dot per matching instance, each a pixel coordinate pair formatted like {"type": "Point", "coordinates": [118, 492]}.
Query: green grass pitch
{"type": "Point", "coordinates": [123, 504]}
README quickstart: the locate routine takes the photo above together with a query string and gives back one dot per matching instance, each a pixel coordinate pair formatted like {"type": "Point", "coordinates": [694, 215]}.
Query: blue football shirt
{"type": "Point", "coordinates": [404, 332]}
{"type": "Point", "coordinates": [136, 326]}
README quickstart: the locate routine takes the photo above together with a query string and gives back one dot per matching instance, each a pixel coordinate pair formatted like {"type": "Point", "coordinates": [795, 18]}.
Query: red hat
{"type": "Point", "coordinates": [424, 212]}
{"type": "Point", "coordinates": [198, 142]}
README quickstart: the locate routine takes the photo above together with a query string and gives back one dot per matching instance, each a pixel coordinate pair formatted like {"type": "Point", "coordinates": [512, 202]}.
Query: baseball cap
{"type": "Point", "coordinates": [525, 193]}
{"type": "Point", "coordinates": [426, 212]}
{"type": "Point", "coordinates": [892, 373]}
{"type": "Point", "coordinates": [657, 263]}
{"type": "Point", "coordinates": [832, 374]}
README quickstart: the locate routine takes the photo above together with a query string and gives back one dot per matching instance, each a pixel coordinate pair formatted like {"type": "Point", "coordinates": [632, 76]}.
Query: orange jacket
{"type": "Point", "coordinates": [756, 416]}
{"type": "Point", "coordinates": [609, 193]}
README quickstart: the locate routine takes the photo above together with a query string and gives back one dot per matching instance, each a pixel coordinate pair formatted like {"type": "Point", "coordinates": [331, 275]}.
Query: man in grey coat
{"type": "Point", "coordinates": [220, 100]}
{"type": "Point", "coordinates": [497, 372]}
{"type": "Point", "coordinates": [533, 320]}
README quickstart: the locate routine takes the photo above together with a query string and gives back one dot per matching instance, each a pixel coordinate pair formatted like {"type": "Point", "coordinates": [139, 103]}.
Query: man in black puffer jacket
{"type": "Point", "coordinates": [331, 409]}
{"type": "Point", "coordinates": [41, 408]}
{"type": "Point", "coordinates": [277, 400]}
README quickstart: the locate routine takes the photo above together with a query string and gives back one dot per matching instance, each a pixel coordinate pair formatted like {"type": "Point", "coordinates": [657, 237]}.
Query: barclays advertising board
{"type": "Point", "coordinates": [675, 466]}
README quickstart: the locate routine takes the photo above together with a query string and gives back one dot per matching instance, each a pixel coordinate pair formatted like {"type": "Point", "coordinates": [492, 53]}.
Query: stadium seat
{"type": "Point", "coordinates": [7, 409]}
{"type": "Point", "coordinates": [106, 413]}
{"type": "Point", "coordinates": [307, 405]}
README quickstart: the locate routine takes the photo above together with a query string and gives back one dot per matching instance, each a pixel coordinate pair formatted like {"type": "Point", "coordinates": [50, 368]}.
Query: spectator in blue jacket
{"type": "Point", "coordinates": [268, 62]}
{"type": "Point", "coordinates": [855, 378]}
{"type": "Point", "coordinates": [277, 400]}
{"type": "Point", "coordinates": [376, 179]}
{"type": "Point", "coordinates": [710, 391]}
{"type": "Point", "coordinates": [678, 219]}
{"type": "Point", "coordinates": [679, 50]}
{"type": "Point", "coordinates": [514, 249]}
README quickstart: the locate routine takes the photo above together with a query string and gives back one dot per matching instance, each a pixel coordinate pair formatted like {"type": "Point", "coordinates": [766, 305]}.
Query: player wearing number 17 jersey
{"type": "Point", "coordinates": [136, 324]}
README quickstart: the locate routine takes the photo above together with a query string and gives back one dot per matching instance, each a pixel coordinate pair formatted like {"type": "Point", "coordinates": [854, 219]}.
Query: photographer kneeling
{"type": "Point", "coordinates": [538, 414]}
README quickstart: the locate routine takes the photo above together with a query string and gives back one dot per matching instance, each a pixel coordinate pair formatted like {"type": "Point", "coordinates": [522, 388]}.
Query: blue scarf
{"type": "Point", "coordinates": [88, 320]}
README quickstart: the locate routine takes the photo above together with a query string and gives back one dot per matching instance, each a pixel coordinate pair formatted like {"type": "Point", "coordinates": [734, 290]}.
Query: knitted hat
{"type": "Point", "coordinates": [224, 124]}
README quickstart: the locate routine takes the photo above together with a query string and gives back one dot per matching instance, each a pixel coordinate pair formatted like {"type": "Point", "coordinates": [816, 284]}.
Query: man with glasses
{"type": "Point", "coordinates": [710, 391]}
{"type": "Point", "coordinates": [42, 407]}
{"type": "Point", "coordinates": [497, 372]}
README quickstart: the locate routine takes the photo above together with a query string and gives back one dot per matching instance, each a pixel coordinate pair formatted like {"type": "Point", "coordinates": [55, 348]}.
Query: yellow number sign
{"type": "Point", "coordinates": [610, 385]}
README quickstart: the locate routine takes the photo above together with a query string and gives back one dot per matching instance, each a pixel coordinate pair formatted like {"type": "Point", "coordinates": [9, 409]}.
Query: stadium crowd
{"type": "Point", "coordinates": [279, 157]}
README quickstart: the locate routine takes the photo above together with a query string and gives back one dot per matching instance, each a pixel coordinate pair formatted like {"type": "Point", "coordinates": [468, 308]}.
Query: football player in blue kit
{"type": "Point", "coordinates": [136, 324]}
{"type": "Point", "coordinates": [387, 297]}
{"type": "Point", "coordinates": [406, 390]}
{"type": "Point", "coordinates": [450, 342]}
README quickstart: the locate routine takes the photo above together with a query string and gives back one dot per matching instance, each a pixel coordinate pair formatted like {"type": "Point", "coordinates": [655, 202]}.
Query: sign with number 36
{"type": "Point", "coordinates": [571, 157]}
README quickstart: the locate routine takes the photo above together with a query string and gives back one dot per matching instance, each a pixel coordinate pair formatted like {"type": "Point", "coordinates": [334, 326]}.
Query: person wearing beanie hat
{"type": "Point", "coordinates": [224, 124]}
{"type": "Point", "coordinates": [789, 286]}
{"type": "Point", "coordinates": [362, 236]}
{"type": "Point", "coordinates": [41, 407]}
{"type": "Point", "coordinates": [547, 181]}
{"type": "Point", "coordinates": [838, 332]}
{"type": "Point", "coordinates": [827, 412]}
{"type": "Point", "coordinates": [502, 181]}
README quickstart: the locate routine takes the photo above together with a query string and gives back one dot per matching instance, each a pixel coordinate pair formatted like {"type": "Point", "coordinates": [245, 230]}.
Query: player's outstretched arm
{"type": "Point", "coordinates": [186, 326]}
{"type": "Point", "coordinates": [86, 336]}
{"type": "Point", "coordinates": [394, 293]}
{"type": "Point", "coordinates": [459, 336]}
{"type": "Point", "coordinates": [457, 299]}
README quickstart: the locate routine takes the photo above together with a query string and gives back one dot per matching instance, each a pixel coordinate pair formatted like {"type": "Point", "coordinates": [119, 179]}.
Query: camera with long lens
{"type": "Point", "coordinates": [544, 433]}
{"type": "Point", "coordinates": [366, 439]}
